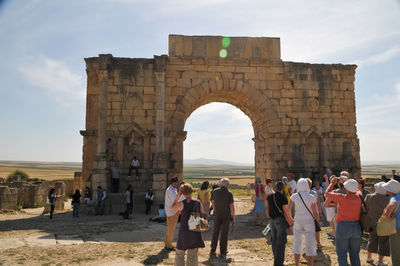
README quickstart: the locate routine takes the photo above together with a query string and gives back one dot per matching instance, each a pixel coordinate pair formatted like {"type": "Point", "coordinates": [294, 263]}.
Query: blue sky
{"type": "Point", "coordinates": [43, 79]}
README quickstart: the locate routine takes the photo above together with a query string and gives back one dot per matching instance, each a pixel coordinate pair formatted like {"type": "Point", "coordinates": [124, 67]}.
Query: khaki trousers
{"type": "Point", "coordinates": [169, 234]}
{"type": "Point", "coordinates": [192, 258]}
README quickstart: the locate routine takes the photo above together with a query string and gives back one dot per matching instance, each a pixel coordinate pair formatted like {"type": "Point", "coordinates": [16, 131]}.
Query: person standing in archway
{"type": "Point", "coordinates": [224, 209]}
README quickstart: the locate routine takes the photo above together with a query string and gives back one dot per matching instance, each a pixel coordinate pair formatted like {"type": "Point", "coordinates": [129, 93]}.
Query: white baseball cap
{"type": "Point", "coordinates": [351, 185]}
{"type": "Point", "coordinates": [345, 178]}
{"type": "Point", "coordinates": [392, 186]}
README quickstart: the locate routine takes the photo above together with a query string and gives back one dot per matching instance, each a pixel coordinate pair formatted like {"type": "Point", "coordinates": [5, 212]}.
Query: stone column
{"type": "Point", "coordinates": [160, 162]}
{"type": "Point", "coordinates": [181, 137]}
{"type": "Point", "coordinates": [160, 111]}
{"type": "Point", "coordinates": [100, 164]}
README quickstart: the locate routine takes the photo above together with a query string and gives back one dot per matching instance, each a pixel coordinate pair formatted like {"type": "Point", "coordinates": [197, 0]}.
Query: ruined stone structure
{"type": "Point", "coordinates": [30, 194]}
{"type": "Point", "coordinates": [303, 115]}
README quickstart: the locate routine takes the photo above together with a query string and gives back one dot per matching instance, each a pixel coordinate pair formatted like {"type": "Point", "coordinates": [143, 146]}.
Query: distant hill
{"type": "Point", "coordinates": [205, 161]}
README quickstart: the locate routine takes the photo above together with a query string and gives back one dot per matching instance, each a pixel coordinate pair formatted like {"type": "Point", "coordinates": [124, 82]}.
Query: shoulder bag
{"type": "Point", "coordinates": [365, 220]}
{"type": "Point", "coordinates": [197, 221]}
{"type": "Point", "coordinates": [387, 226]}
{"type": "Point", "coordinates": [317, 227]}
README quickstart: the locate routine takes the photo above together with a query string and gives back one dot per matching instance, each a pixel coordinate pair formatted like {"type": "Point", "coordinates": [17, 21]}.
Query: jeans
{"type": "Point", "coordinates": [279, 239]}
{"type": "Point", "coordinates": [52, 210]}
{"type": "Point", "coordinates": [348, 240]}
{"type": "Point", "coordinates": [75, 210]}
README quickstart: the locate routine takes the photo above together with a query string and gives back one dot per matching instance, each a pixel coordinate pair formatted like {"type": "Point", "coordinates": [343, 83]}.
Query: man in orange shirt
{"type": "Point", "coordinates": [348, 229]}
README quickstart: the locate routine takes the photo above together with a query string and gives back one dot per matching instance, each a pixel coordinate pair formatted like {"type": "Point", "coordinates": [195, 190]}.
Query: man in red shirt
{"type": "Point", "coordinates": [348, 230]}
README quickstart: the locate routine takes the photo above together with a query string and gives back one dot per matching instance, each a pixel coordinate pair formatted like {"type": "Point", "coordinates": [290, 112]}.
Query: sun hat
{"type": "Point", "coordinates": [351, 185]}
{"type": "Point", "coordinates": [392, 186]}
{"type": "Point", "coordinates": [379, 189]}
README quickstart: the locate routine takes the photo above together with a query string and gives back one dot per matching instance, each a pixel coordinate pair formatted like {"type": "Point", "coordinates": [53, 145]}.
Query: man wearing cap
{"type": "Point", "coordinates": [392, 211]}
{"type": "Point", "coordinates": [172, 216]}
{"type": "Point", "coordinates": [348, 230]}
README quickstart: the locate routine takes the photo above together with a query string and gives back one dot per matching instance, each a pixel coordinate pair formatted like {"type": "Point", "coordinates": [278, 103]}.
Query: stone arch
{"type": "Point", "coordinates": [261, 111]}
{"type": "Point", "coordinates": [240, 94]}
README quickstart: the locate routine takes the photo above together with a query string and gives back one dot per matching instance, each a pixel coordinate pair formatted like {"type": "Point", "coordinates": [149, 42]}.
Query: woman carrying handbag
{"type": "Point", "coordinates": [392, 211]}
{"type": "Point", "coordinates": [188, 240]}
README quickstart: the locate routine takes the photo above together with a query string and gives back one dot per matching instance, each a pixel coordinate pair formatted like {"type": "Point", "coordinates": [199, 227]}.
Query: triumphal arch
{"type": "Point", "coordinates": [303, 115]}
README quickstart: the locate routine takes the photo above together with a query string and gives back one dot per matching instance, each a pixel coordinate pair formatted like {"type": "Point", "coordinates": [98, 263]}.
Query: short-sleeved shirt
{"type": "Point", "coordinates": [280, 201]}
{"type": "Point", "coordinates": [302, 215]}
{"type": "Point", "coordinates": [222, 200]}
{"type": "Point", "coordinates": [348, 206]}
{"type": "Point", "coordinates": [161, 212]}
{"type": "Point", "coordinates": [396, 198]}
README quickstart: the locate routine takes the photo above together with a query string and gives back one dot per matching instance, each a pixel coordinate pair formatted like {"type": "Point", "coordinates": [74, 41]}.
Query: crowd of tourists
{"type": "Point", "coordinates": [286, 206]}
{"type": "Point", "coordinates": [341, 202]}
{"type": "Point", "coordinates": [298, 207]}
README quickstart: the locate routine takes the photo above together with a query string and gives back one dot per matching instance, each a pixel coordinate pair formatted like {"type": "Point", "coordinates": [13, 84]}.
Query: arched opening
{"type": "Point", "coordinates": [219, 143]}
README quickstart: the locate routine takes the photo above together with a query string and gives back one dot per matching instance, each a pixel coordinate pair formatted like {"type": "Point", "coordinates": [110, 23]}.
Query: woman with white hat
{"type": "Point", "coordinates": [393, 211]}
{"type": "Point", "coordinates": [376, 203]}
{"type": "Point", "coordinates": [305, 212]}
{"type": "Point", "coordinates": [348, 229]}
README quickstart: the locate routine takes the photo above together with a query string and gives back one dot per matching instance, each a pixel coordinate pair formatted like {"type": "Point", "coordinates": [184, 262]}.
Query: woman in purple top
{"type": "Point", "coordinates": [188, 240]}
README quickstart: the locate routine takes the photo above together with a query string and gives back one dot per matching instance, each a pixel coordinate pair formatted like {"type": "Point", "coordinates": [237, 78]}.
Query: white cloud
{"type": "Point", "coordinates": [55, 78]}
{"type": "Point", "coordinates": [382, 57]}
{"type": "Point", "coordinates": [384, 113]}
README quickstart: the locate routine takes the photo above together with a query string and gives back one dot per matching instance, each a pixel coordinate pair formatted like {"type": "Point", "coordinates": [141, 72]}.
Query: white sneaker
{"type": "Point", "coordinates": [382, 264]}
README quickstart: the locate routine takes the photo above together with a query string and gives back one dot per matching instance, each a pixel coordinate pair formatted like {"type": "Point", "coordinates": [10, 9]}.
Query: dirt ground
{"type": "Point", "coordinates": [30, 238]}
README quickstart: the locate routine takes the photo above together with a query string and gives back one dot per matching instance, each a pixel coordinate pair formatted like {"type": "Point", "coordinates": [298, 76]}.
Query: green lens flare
{"type": "Point", "coordinates": [226, 41]}
{"type": "Point", "coordinates": [223, 53]}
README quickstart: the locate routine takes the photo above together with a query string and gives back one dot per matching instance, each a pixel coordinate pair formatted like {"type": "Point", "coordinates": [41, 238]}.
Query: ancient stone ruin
{"type": "Point", "coordinates": [31, 194]}
{"type": "Point", "coordinates": [303, 115]}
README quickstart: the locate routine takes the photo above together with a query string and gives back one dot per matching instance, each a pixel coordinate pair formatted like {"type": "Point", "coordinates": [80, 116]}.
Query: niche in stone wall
{"type": "Point", "coordinates": [348, 162]}
{"type": "Point", "coordinates": [131, 145]}
{"type": "Point", "coordinates": [312, 154]}
{"type": "Point", "coordinates": [296, 165]}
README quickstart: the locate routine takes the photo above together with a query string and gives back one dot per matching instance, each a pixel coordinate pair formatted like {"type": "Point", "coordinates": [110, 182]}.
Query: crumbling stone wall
{"type": "Point", "coordinates": [8, 198]}
{"type": "Point", "coordinates": [303, 115]}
